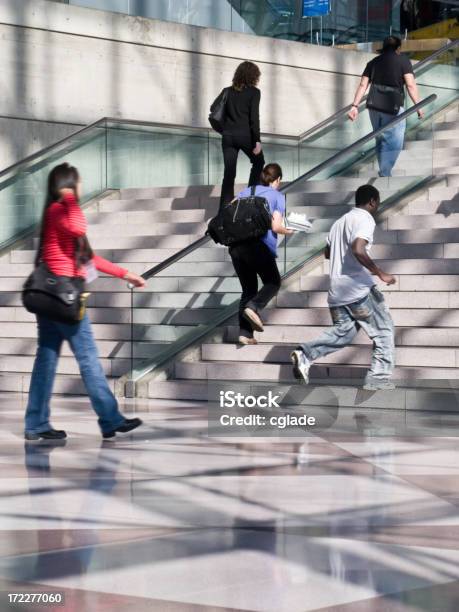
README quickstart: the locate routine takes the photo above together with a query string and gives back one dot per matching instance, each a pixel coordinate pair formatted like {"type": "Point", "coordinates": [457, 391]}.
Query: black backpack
{"type": "Point", "coordinates": [241, 220]}
{"type": "Point", "coordinates": [217, 111]}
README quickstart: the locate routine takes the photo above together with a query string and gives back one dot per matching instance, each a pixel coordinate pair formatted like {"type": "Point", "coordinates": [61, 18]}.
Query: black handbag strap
{"type": "Point", "coordinates": [252, 190]}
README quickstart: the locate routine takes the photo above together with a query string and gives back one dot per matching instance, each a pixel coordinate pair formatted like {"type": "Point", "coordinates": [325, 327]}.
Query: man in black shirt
{"type": "Point", "coordinates": [395, 71]}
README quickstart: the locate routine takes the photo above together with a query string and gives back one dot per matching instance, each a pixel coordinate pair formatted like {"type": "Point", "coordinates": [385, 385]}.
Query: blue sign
{"type": "Point", "coordinates": [315, 8]}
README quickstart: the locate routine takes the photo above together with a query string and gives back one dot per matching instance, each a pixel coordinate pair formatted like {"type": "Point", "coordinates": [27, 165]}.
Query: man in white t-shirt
{"type": "Point", "coordinates": [353, 298]}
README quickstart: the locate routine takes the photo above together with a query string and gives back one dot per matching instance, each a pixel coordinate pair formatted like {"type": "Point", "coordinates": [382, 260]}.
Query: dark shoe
{"type": "Point", "coordinates": [51, 434]}
{"type": "Point", "coordinates": [253, 318]}
{"type": "Point", "coordinates": [126, 427]}
{"type": "Point", "coordinates": [245, 341]}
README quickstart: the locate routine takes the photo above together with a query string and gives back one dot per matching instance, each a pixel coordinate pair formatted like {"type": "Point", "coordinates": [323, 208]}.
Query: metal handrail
{"type": "Point", "coordinates": [347, 108]}
{"type": "Point", "coordinates": [307, 175]}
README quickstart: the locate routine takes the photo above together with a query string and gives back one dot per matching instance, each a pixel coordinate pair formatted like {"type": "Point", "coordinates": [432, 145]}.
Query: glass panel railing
{"type": "Point", "coordinates": [195, 292]}
{"type": "Point", "coordinates": [23, 186]}
{"type": "Point", "coordinates": [143, 155]}
{"type": "Point", "coordinates": [114, 154]}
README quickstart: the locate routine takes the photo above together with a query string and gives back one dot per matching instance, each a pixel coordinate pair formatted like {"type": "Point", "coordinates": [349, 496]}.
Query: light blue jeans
{"type": "Point", "coordinates": [389, 143]}
{"type": "Point", "coordinates": [51, 336]}
{"type": "Point", "coordinates": [373, 316]}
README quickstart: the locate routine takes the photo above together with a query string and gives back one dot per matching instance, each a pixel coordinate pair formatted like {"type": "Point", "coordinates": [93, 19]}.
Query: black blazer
{"type": "Point", "coordinates": [242, 113]}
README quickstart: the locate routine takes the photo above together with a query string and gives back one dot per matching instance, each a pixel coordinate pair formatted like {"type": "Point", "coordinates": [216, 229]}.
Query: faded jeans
{"type": "Point", "coordinates": [51, 336]}
{"type": "Point", "coordinates": [390, 143]}
{"type": "Point", "coordinates": [373, 316]}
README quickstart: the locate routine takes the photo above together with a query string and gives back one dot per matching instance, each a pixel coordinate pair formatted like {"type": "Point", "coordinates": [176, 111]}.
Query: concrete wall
{"type": "Point", "coordinates": [72, 65]}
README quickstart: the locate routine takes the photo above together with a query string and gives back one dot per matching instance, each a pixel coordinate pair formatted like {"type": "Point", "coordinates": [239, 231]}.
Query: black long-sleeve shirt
{"type": "Point", "coordinates": [242, 113]}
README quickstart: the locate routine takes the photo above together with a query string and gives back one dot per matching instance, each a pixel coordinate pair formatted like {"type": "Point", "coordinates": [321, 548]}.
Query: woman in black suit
{"type": "Point", "coordinates": [241, 128]}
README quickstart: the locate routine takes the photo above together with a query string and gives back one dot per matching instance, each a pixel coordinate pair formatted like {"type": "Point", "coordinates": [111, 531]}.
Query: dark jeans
{"type": "Point", "coordinates": [250, 260]}
{"type": "Point", "coordinates": [231, 145]}
{"type": "Point", "coordinates": [51, 336]}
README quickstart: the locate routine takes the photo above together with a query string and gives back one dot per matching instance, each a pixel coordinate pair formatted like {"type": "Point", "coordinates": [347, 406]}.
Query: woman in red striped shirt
{"type": "Point", "coordinates": [66, 252]}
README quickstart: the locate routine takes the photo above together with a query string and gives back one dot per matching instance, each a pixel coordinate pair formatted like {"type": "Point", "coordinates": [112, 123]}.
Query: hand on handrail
{"type": "Point", "coordinates": [135, 280]}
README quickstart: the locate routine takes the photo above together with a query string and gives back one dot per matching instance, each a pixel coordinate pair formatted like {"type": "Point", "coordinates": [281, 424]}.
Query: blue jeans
{"type": "Point", "coordinates": [373, 316]}
{"type": "Point", "coordinates": [51, 335]}
{"type": "Point", "coordinates": [389, 143]}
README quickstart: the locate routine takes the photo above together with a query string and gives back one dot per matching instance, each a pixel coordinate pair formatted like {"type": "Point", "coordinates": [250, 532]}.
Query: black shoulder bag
{"type": "Point", "coordinates": [384, 98]}
{"type": "Point", "coordinates": [59, 298]}
{"type": "Point", "coordinates": [241, 220]}
{"type": "Point", "coordinates": [218, 111]}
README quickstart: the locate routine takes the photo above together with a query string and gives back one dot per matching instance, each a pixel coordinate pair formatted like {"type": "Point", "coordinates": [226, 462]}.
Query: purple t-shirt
{"type": "Point", "coordinates": [276, 202]}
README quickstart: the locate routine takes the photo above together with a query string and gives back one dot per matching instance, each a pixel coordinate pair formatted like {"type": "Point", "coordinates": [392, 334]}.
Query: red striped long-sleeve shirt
{"type": "Point", "coordinates": [64, 222]}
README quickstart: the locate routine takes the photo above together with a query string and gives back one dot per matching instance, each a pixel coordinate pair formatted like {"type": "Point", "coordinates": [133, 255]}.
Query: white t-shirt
{"type": "Point", "coordinates": [349, 280]}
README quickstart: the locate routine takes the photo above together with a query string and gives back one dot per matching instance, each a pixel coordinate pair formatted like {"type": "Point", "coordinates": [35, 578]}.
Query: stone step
{"type": "Point", "coordinates": [315, 316]}
{"type": "Point", "coordinates": [141, 229]}
{"type": "Point", "coordinates": [408, 356]}
{"type": "Point", "coordinates": [442, 193]}
{"type": "Point", "coordinates": [408, 283]}
{"type": "Point", "coordinates": [119, 313]}
{"type": "Point", "coordinates": [147, 217]}
{"type": "Point", "coordinates": [415, 266]}
{"type": "Point", "coordinates": [27, 331]}
{"type": "Point", "coordinates": [106, 242]}
{"type": "Point", "coordinates": [278, 373]}
{"type": "Point", "coordinates": [428, 207]}
{"type": "Point", "coordinates": [404, 336]}
{"type": "Point", "coordinates": [412, 222]}
{"type": "Point", "coordinates": [402, 398]}
{"type": "Point", "coordinates": [394, 299]}
{"type": "Point", "coordinates": [302, 198]}
{"type": "Point", "coordinates": [345, 184]}
{"type": "Point", "coordinates": [124, 257]}
{"type": "Point", "coordinates": [107, 349]}
{"type": "Point", "coordinates": [67, 365]}
{"type": "Point", "coordinates": [201, 191]}
{"type": "Point", "coordinates": [158, 204]}
{"type": "Point", "coordinates": [414, 317]}
{"type": "Point", "coordinates": [19, 382]}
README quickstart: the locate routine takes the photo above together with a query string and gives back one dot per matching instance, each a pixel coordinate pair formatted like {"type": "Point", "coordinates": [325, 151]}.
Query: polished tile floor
{"type": "Point", "coordinates": [170, 520]}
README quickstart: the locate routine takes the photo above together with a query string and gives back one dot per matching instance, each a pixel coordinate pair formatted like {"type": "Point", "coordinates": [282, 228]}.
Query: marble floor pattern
{"type": "Point", "coordinates": [169, 519]}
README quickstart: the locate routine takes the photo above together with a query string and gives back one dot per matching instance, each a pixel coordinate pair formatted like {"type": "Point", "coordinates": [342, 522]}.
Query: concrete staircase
{"type": "Point", "coordinates": [138, 228]}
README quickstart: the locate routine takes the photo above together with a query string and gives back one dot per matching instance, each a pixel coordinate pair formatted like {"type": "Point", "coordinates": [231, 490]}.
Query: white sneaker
{"type": "Point", "coordinates": [301, 365]}
{"type": "Point", "coordinates": [379, 385]}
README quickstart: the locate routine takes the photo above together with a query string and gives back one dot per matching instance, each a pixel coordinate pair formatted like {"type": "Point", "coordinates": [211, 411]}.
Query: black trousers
{"type": "Point", "coordinates": [250, 260]}
{"type": "Point", "coordinates": [231, 145]}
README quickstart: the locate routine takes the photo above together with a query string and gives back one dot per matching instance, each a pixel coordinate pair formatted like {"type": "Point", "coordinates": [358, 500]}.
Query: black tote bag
{"type": "Point", "coordinates": [218, 111]}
